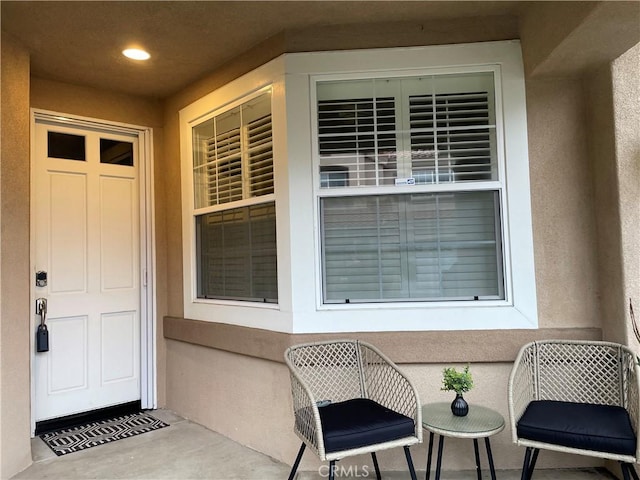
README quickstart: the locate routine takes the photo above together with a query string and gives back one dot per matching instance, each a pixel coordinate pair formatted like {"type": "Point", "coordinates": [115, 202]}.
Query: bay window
{"type": "Point", "coordinates": [359, 191]}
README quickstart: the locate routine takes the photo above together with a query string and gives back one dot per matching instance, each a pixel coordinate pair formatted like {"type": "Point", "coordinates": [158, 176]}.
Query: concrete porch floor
{"type": "Point", "coordinates": [185, 451]}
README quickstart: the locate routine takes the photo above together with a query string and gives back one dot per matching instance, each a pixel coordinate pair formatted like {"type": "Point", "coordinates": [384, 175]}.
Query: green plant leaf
{"type": "Point", "coordinates": [459, 382]}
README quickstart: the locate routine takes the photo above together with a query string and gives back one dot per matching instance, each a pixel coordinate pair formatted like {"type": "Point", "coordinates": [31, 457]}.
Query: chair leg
{"type": "Point", "coordinates": [297, 462]}
{"type": "Point", "coordinates": [525, 464]}
{"type": "Point", "coordinates": [529, 463]}
{"type": "Point", "coordinates": [412, 470]}
{"type": "Point", "coordinates": [536, 451]}
{"type": "Point", "coordinates": [375, 465]}
{"type": "Point", "coordinates": [332, 469]}
{"type": "Point", "coordinates": [429, 456]}
{"type": "Point", "coordinates": [628, 468]}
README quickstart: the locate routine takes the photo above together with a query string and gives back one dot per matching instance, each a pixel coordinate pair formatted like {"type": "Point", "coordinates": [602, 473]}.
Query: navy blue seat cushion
{"type": "Point", "coordinates": [360, 422]}
{"type": "Point", "coordinates": [602, 428]}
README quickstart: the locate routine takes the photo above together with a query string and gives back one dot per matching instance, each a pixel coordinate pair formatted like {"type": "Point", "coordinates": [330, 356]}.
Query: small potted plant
{"type": "Point", "coordinates": [459, 382]}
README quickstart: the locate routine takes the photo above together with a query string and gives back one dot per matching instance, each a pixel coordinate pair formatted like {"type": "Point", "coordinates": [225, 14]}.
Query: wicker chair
{"type": "Point", "coordinates": [575, 397]}
{"type": "Point", "coordinates": [349, 399]}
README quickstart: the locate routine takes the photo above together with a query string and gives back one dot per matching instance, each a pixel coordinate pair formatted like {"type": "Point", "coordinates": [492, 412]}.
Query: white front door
{"type": "Point", "coordinates": [86, 237]}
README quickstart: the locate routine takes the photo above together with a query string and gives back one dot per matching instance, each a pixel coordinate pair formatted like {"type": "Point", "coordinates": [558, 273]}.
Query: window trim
{"type": "Point", "coordinates": [265, 78]}
{"type": "Point", "coordinates": [519, 308]}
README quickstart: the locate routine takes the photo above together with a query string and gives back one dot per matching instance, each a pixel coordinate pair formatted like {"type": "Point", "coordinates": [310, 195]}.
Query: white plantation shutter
{"type": "Point", "coordinates": [236, 249]}
{"type": "Point", "coordinates": [359, 136]}
{"type": "Point", "coordinates": [362, 248]}
{"type": "Point", "coordinates": [260, 156]}
{"type": "Point", "coordinates": [233, 162]}
{"type": "Point", "coordinates": [454, 244]}
{"type": "Point", "coordinates": [443, 246]}
{"type": "Point", "coordinates": [451, 137]}
{"type": "Point", "coordinates": [224, 167]}
{"type": "Point", "coordinates": [263, 257]}
{"type": "Point", "coordinates": [236, 162]}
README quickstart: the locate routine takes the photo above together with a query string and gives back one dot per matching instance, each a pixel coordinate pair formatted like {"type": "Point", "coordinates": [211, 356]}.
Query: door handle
{"type": "Point", "coordinates": [41, 309]}
{"type": "Point", "coordinates": [42, 334]}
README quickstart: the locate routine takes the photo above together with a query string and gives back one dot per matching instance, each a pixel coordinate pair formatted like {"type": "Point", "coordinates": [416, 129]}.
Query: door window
{"type": "Point", "coordinates": [66, 146]}
{"type": "Point", "coordinates": [116, 152]}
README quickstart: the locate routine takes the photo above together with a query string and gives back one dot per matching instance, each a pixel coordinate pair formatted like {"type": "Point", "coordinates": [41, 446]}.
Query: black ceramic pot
{"type": "Point", "coordinates": [459, 406]}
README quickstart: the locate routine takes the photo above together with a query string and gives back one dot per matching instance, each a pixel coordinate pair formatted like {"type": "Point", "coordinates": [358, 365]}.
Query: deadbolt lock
{"type": "Point", "coordinates": [41, 279]}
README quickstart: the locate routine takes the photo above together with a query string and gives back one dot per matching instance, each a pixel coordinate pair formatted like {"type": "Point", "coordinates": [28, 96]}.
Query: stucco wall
{"type": "Point", "coordinates": [606, 207]}
{"type": "Point", "coordinates": [562, 204]}
{"type": "Point", "coordinates": [15, 450]}
{"type": "Point", "coordinates": [614, 151]}
{"type": "Point", "coordinates": [626, 104]}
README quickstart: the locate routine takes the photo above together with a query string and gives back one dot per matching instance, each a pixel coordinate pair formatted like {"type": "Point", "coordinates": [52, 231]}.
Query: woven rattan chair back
{"type": "Point", "coordinates": [582, 372]}
{"type": "Point", "coordinates": [331, 371]}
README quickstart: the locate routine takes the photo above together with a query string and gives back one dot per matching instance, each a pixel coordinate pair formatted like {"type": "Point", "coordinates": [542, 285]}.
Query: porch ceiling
{"type": "Point", "coordinates": [80, 42]}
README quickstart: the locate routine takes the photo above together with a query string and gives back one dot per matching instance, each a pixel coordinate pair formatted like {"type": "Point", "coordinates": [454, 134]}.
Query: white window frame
{"type": "Point", "coordinates": [519, 308]}
{"type": "Point", "coordinates": [244, 178]}
{"type": "Point", "coordinates": [497, 185]}
{"type": "Point", "coordinates": [265, 78]}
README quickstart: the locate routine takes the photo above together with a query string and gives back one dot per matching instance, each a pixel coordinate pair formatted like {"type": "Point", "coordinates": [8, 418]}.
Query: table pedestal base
{"type": "Point", "coordinates": [476, 452]}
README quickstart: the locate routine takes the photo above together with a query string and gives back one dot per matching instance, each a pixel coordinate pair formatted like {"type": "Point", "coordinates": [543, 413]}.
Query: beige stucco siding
{"type": "Point", "coordinates": [626, 101]}
{"type": "Point", "coordinates": [562, 204]}
{"type": "Point", "coordinates": [15, 451]}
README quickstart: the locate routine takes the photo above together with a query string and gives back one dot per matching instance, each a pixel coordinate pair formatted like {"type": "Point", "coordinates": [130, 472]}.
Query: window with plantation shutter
{"type": "Point", "coordinates": [427, 132]}
{"type": "Point", "coordinates": [233, 157]}
{"type": "Point", "coordinates": [236, 249]}
{"type": "Point", "coordinates": [233, 167]}
{"type": "Point", "coordinates": [451, 137]}
{"type": "Point", "coordinates": [418, 247]}
{"type": "Point", "coordinates": [224, 167]}
{"type": "Point", "coordinates": [358, 135]}
{"type": "Point", "coordinates": [260, 156]}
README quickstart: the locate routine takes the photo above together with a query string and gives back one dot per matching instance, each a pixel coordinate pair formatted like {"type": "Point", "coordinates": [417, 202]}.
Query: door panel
{"type": "Point", "coordinates": [87, 238]}
{"type": "Point", "coordinates": [68, 361]}
{"type": "Point", "coordinates": [68, 231]}
{"type": "Point", "coordinates": [118, 249]}
{"type": "Point", "coordinates": [118, 342]}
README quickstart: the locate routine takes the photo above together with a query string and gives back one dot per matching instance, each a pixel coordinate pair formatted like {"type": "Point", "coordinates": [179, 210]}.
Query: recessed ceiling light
{"type": "Point", "coordinates": [136, 54]}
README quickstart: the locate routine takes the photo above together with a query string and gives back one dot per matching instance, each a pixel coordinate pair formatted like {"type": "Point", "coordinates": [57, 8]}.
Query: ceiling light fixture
{"type": "Point", "coordinates": [136, 54]}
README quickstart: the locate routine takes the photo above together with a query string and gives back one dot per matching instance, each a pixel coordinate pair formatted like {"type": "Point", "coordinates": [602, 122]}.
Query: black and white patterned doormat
{"type": "Point", "coordinates": [98, 433]}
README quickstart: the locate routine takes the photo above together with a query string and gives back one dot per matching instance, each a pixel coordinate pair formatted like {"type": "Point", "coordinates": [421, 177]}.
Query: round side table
{"type": "Point", "coordinates": [480, 422]}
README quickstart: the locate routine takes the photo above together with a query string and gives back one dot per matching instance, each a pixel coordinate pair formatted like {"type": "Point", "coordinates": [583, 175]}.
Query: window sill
{"type": "Point", "coordinates": [488, 346]}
